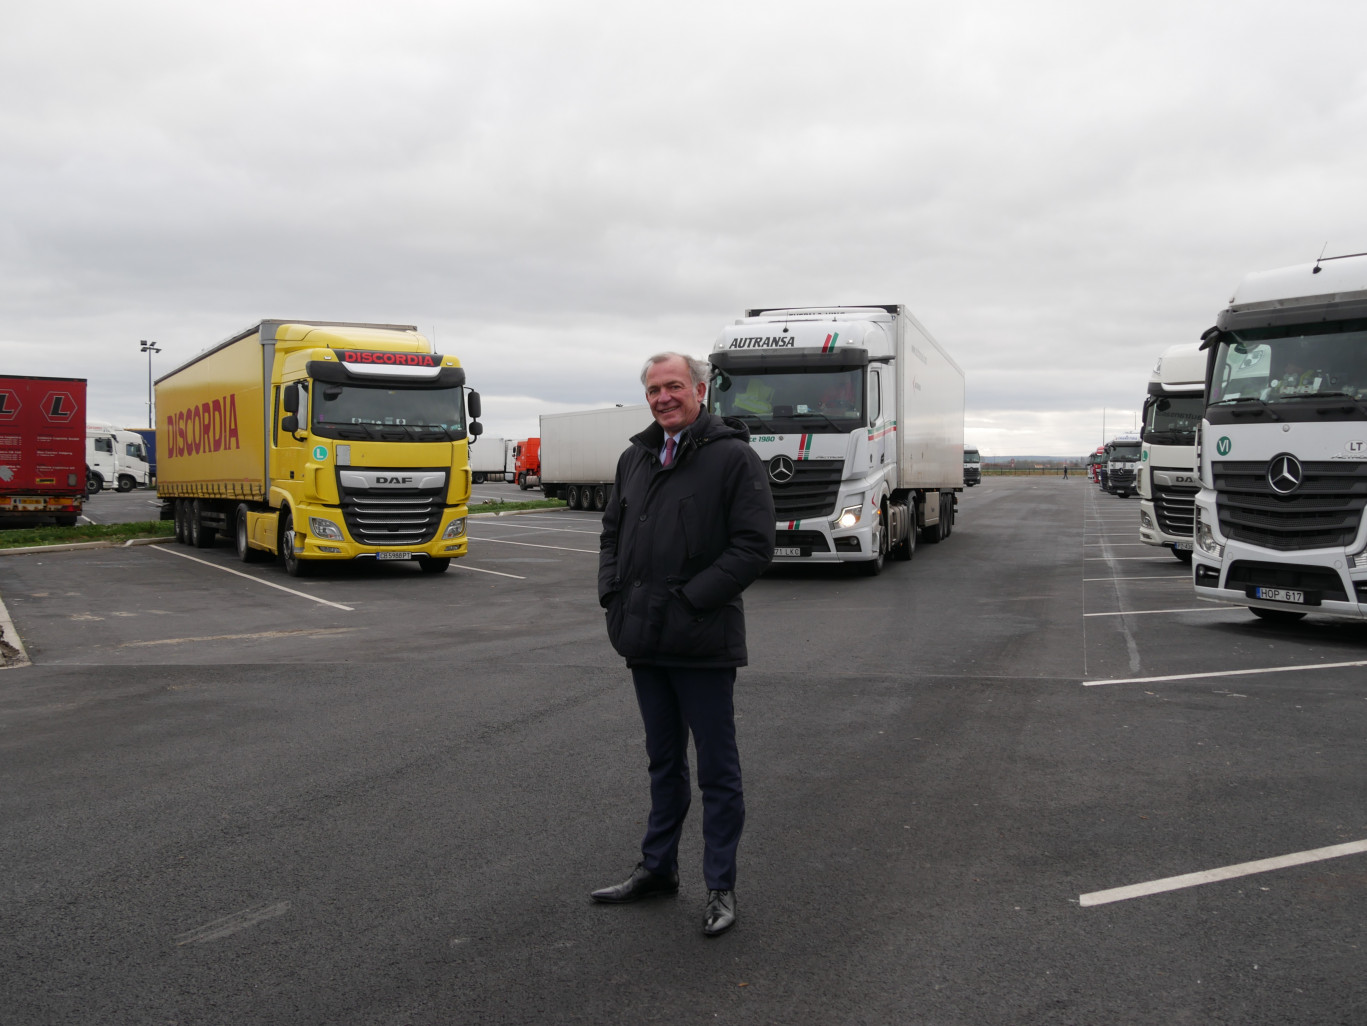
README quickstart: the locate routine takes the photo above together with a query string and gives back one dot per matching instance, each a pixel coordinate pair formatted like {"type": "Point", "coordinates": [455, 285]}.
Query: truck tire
{"type": "Point", "coordinates": [434, 564]}
{"type": "Point", "coordinates": [1276, 615]}
{"type": "Point", "coordinates": [294, 566]}
{"type": "Point", "coordinates": [201, 534]}
{"type": "Point", "coordinates": [94, 484]}
{"type": "Point", "coordinates": [572, 496]}
{"type": "Point", "coordinates": [600, 497]}
{"type": "Point", "coordinates": [874, 566]}
{"type": "Point", "coordinates": [906, 549]}
{"type": "Point", "coordinates": [66, 520]}
{"type": "Point", "coordinates": [178, 518]}
{"type": "Point", "coordinates": [126, 483]}
{"type": "Point", "coordinates": [245, 552]}
{"type": "Point", "coordinates": [1183, 555]}
{"type": "Point", "coordinates": [477, 478]}
{"type": "Point", "coordinates": [522, 480]}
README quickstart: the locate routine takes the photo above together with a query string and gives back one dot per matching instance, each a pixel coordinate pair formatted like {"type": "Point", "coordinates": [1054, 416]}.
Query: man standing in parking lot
{"type": "Point", "coordinates": [690, 525]}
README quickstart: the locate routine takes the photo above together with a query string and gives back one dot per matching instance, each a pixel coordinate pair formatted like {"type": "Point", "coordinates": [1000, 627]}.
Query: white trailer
{"type": "Point", "coordinates": [858, 415]}
{"type": "Point", "coordinates": [1167, 463]}
{"type": "Point", "coordinates": [489, 459]}
{"type": "Point", "coordinates": [579, 452]}
{"type": "Point", "coordinates": [1282, 448]}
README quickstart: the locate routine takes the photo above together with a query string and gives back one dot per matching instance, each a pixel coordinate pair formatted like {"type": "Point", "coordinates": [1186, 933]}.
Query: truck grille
{"type": "Point", "coordinates": [811, 492]}
{"type": "Point", "coordinates": [1122, 478]}
{"type": "Point", "coordinates": [1175, 507]}
{"type": "Point", "coordinates": [393, 516]}
{"type": "Point", "coordinates": [1319, 579]}
{"type": "Point", "coordinates": [1323, 511]}
{"type": "Point", "coordinates": [813, 540]}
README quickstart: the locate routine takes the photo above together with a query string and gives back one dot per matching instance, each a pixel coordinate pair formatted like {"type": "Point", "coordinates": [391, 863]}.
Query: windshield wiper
{"type": "Point", "coordinates": [1248, 399]}
{"type": "Point", "coordinates": [814, 413]}
{"type": "Point", "coordinates": [746, 418]}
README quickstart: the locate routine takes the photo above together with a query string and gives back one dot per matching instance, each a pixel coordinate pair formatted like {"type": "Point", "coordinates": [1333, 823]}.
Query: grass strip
{"type": "Point", "coordinates": [492, 506]}
{"type": "Point", "coordinates": [24, 537]}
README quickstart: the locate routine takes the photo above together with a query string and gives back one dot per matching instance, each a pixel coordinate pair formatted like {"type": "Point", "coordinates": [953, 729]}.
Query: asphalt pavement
{"type": "Point", "coordinates": [992, 785]}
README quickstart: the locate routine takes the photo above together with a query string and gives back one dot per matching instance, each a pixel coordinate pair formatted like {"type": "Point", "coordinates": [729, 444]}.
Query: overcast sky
{"type": "Point", "coordinates": [1058, 190]}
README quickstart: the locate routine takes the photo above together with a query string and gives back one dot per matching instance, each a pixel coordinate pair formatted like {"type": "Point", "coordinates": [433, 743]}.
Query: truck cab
{"type": "Point", "coordinates": [1167, 467]}
{"type": "Point", "coordinates": [1282, 447]}
{"type": "Point", "coordinates": [1121, 470]}
{"type": "Point", "coordinates": [973, 470]}
{"type": "Point", "coordinates": [116, 459]}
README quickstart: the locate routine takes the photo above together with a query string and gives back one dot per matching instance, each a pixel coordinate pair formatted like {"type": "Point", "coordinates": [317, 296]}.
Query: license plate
{"type": "Point", "coordinates": [27, 500]}
{"type": "Point", "coordinates": [393, 555]}
{"type": "Point", "coordinates": [788, 550]}
{"type": "Point", "coordinates": [1279, 594]}
{"type": "Point", "coordinates": [1182, 546]}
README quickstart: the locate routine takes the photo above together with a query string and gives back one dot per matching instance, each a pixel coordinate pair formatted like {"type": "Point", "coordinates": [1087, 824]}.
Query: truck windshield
{"type": "Point", "coordinates": [971, 456]}
{"type": "Point", "coordinates": [369, 411]}
{"type": "Point", "coordinates": [815, 401]}
{"type": "Point", "coordinates": [1292, 363]}
{"type": "Point", "coordinates": [1125, 452]}
{"type": "Point", "coordinates": [1172, 420]}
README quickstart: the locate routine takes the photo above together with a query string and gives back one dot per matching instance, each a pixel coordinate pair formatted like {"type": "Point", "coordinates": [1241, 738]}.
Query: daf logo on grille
{"type": "Point", "coordinates": [1284, 474]}
{"type": "Point", "coordinates": [781, 470]}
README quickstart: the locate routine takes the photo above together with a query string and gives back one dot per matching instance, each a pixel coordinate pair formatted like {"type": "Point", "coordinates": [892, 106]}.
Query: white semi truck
{"type": "Point", "coordinates": [1282, 448]}
{"type": "Point", "coordinates": [489, 459]}
{"type": "Point", "coordinates": [1122, 465]}
{"type": "Point", "coordinates": [858, 415]}
{"type": "Point", "coordinates": [115, 458]}
{"type": "Point", "coordinates": [579, 452]}
{"type": "Point", "coordinates": [1167, 467]}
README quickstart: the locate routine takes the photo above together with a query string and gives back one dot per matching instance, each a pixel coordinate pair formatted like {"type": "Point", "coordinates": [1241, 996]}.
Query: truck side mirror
{"type": "Point", "coordinates": [472, 403]}
{"type": "Point", "coordinates": [289, 423]}
{"type": "Point", "coordinates": [290, 401]}
{"type": "Point", "coordinates": [476, 428]}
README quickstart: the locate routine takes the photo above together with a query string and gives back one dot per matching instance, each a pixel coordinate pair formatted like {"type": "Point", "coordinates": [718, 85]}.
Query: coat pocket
{"type": "Point", "coordinates": [630, 633]}
{"type": "Point", "coordinates": [689, 632]}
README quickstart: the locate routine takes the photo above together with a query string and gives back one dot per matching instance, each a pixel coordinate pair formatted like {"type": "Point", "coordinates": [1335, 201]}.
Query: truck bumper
{"type": "Point", "coordinates": [314, 539]}
{"type": "Point", "coordinates": [1328, 580]}
{"type": "Point", "coordinates": [1151, 534]}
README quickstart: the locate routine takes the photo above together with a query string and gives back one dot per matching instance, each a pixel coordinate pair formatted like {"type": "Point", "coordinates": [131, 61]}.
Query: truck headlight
{"type": "Point", "coordinates": [321, 528]}
{"type": "Point", "coordinates": [1144, 519]}
{"type": "Point", "coordinates": [849, 516]}
{"type": "Point", "coordinates": [1205, 538]}
{"type": "Point", "coordinates": [454, 529]}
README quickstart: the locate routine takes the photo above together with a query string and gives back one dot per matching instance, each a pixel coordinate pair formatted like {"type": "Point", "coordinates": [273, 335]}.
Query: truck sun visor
{"type": "Point", "coordinates": [805, 359]}
{"type": "Point", "coordinates": [419, 370]}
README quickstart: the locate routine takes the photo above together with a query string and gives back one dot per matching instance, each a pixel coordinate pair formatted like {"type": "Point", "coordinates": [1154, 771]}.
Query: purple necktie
{"type": "Point", "coordinates": [669, 453]}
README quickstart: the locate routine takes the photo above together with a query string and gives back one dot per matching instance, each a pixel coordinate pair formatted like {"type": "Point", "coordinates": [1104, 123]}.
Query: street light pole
{"type": "Point", "coordinates": [149, 348]}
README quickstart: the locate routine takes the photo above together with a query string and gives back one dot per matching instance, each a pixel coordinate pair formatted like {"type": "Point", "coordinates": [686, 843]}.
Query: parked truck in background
{"type": "Point", "coordinates": [579, 452]}
{"type": "Point", "coordinates": [42, 449]}
{"type": "Point", "coordinates": [1167, 461]}
{"type": "Point", "coordinates": [858, 415]}
{"type": "Point", "coordinates": [527, 463]}
{"type": "Point", "coordinates": [116, 459]}
{"type": "Point", "coordinates": [1095, 462]}
{"type": "Point", "coordinates": [149, 448]}
{"type": "Point", "coordinates": [1282, 448]}
{"type": "Point", "coordinates": [1121, 470]}
{"type": "Point", "coordinates": [319, 441]}
{"type": "Point", "coordinates": [973, 467]}
{"type": "Point", "coordinates": [488, 459]}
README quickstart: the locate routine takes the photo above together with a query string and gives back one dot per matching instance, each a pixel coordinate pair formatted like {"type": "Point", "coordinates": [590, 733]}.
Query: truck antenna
{"type": "Point", "coordinates": [1319, 259]}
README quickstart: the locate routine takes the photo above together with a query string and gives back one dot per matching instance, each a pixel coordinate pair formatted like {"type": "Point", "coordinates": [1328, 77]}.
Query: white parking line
{"type": "Point", "coordinates": [481, 570]}
{"type": "Point", "coordinates": [258, 580]}
{"type": "Point", "coordinates": [531, 545]}
{"type": "Point", "coordinates": [1225, 673]}
{"type": "Point", "coordinates": [1175, 883]}
{"type": "Point", "coordinates": [532, 527]}
{"type": "Point", "coordinates": [1145, 612]}
{"type": "Point", "coordinates": [1175, 577]}
{"type": "Point", "coordinates": [1151, 559]}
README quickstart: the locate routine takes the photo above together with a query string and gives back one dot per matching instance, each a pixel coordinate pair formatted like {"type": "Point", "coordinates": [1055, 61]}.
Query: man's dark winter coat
{"type": "Point", "coordinates": [680, 543]}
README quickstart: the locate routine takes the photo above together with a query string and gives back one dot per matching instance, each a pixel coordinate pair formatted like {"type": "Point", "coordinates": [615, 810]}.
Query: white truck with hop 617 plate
{"type": "Point", "coordinates": [1282, 448]}
{"type": "Point", "coordinates": [858, 415]}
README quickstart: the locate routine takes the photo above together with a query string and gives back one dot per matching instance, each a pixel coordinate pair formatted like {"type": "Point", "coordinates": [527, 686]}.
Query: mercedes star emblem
{"type": "Point", "coordinates": [781, 470]}
{"type": "Point", "coordinates": [1284, 474]}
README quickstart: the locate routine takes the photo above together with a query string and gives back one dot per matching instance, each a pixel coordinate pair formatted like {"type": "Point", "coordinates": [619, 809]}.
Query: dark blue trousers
{"type": "Point", "coordinates": [674, 701]}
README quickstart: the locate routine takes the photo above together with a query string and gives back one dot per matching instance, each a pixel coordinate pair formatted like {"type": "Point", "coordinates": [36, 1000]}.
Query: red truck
{"type": "Point", "coordinates": [527, 466]}
{"type": "Point", "coordinates": [42, 449]}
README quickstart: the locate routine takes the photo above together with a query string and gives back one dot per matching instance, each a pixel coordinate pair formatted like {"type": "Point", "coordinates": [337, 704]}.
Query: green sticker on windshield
{"type": "Point", "coordinates": [1224, 445]}
{"type": "Point", "coordinates": [320, 453]}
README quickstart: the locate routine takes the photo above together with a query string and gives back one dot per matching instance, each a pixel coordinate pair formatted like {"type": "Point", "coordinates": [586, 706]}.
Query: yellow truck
{"type": "Point", "coordinates": [319, 441]}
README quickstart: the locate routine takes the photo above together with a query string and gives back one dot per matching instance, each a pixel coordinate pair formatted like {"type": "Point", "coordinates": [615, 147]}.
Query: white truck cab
{"type": "Point", "coordinates": [1282, 448]}
{"type": "Point", "coordinates": [115, 459]}
{"type": "Point", "coordinates": [1167, 467]}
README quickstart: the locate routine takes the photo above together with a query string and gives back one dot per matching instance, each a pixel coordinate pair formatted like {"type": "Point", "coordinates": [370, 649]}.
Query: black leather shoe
{"type": "Point", "coordinates": [721, 912]}
{"type": "Point", "coordinates": [642, 883]}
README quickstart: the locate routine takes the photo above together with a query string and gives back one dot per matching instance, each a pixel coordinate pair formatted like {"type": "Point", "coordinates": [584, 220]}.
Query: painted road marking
{"type": "Point", "coordinates": [1175, 883]}
{"type": "Point", "coordinates": [481, 570]}
{"type": "Point", "coordinates": [532, 527]}
{"type": "Point", "coordinates": [229, 925]}
{"type": "Point", "coordinates": [1226, 673]}
{"type": "Point", "coordinates": [238, 637]}
{"type": "Point", "coordinates": [10, 638]}
{"type": "Point", "coordinates": [1172, 577]}
{"type": "Point", "coordinates": [1107, 559]}
{"type": "Point", "coordinates": [1146, 612]}
{"type": "Point", "coordinates": [532, 545]}
{"type": "Point", "coordinates": [258, 580]}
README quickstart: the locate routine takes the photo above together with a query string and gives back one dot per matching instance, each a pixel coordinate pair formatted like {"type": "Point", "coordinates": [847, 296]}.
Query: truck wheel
{"type": "Point", "coordinates": [94, 484]}
{"type": "Point", "coordinates": [1276, 615]}
{"type": "Point", "coordinates": [1183, 555]}
{"type": "Point", "coordinates": [294, 566]}
{"type": "Point", "coordinates": [477, 478]}
{"type": "Point", "coordinates": [245, 552]}
{"type": "Point", "coordinates": [178, 518]}
{"type": "Point", "coordinates": [874, 566]}
{"type": "Point", "coordinates": [572, 496]}
{"type": "Point", "coordinates": [522, 480]}
{"type": "Point", "coordinates": [126, 483]}
{"type": "Point", "coordinates": [201, 534]}
{"type": "Point", "coordinates": [67, 520]}
{"type": "Point", "coordinates": [434, 565]}
{"type": "Point", "coordinates": [905, 549]}
{"type": "Point", "coordinates": [600, 497]}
